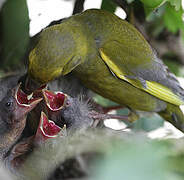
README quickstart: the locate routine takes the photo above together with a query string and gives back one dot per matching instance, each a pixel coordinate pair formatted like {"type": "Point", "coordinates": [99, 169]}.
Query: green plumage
{"type": "Point", "coordinates": [110, 57]}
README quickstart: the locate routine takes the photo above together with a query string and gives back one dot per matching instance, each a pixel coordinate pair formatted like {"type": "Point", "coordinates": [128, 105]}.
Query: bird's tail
{"type": "Point", "coordinates": [174, 115]}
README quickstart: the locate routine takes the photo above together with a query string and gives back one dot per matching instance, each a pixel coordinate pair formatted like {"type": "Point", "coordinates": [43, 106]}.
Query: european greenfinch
{"type": "Point", "coordinates": [112, 58]}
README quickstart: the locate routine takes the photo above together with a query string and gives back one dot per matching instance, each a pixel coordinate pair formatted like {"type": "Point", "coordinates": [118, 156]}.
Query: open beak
{"type": "Point", "coordinates": [25, 103]}
{"type": "Point", "coordinates": [31, 85]}
{"type": "Point", "coordinates": [47, 129]}
{"type": "Point", "coordinates": [55, 101]}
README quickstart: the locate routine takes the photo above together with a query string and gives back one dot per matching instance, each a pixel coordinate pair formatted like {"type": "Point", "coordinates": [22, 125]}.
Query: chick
{"type": "Point", "coordinates": [65, 110]}
{"type": "Point", "coordinates": [75, 113]}
{"type": "Point", "coordinates": [19, 153]}
{"type": "Point", "coordinates": [14, 108]}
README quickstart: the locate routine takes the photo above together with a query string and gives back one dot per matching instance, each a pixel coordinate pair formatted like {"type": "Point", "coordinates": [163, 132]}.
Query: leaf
{"type": "Point", "coordinates": [176, 3]}
{"type": "Point", "coordinates": [152, 14]}
{"type": "Point", "coordinates": [173, 19]}
{"type": "Point", "coordinates": [108, 5]}
{"type": "Point", "coordinates": [15, 31]}
{"type": "Point", "coordinates": [153, 4]}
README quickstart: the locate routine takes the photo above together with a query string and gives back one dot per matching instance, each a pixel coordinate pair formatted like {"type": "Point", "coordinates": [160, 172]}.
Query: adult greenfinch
{"type": "Point", "coordinates": [110, 57]}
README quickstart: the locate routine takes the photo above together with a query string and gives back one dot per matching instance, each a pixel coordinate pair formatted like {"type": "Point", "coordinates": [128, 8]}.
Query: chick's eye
{"type": "Point", "coordinates": [9, 104]}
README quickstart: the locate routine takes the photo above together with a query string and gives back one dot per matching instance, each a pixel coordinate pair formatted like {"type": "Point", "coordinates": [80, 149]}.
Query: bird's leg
{"type": "Point", "coordinates": [97, 116]}
{"type": "Point", "coordinates": [101, 113]}
{"type": "Point", "coordinates": [102, 116]}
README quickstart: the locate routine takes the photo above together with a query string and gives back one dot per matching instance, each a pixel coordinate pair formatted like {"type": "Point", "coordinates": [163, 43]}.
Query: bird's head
{"type": "Point", "coordinates": [47, 129]}
{"type": "Point", "coordinates": [14, 108]}
{"type": "Point", "coordinates": [58, 51]}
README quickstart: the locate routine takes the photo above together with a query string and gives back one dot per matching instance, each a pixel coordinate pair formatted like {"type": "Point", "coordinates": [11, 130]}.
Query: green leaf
{"type": "Point", "coordinates": [108, 5]}
{"type": "Point", "coordinates": [15, 31]}
{"type": "Point", "coordinates": [152, 4]}
{"type": "Point", "coordinates": [173, 19]}
{"type": "Point", "coordinates": [176, 3]}
{"type": "Point", "coordinates": [152, 14]}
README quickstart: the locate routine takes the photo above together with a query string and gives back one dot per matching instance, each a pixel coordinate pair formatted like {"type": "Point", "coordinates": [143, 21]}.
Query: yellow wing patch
{"type": "Point", "coordinates": [153, 88]}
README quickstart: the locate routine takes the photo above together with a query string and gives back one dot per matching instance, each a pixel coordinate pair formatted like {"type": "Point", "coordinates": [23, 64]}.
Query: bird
{"type": "Point", "coordinates": [14, 109]}
{"type": "Point", "coordinates": [47, 129]}
{"type": "Point", "coordinates": [75, 157]}
{"type": "Point", "coordinates": [74, 113]}
{"type": "Point", "coordinates": [22, 149]}
{"type": "Point", "coordinates": [67, 111]}
{"type": "Point", "coordinates": [71, 86]}
{"type": "Point", "coordinates": [110, 57]}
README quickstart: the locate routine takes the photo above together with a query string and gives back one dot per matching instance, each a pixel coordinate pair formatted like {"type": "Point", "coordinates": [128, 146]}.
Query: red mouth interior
{"type": "Point", "coordinates": [49, 127]}
{"type": "Point", "coordinates": [22, 97]}
{"type": "Point", "coordinates": [55, 101]}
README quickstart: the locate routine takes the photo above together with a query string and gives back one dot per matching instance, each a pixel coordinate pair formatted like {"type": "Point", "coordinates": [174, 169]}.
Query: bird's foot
{"type": "Point", "coordinates": [97, 116]}
{"type": "Point", "coordinates": [133, 116]}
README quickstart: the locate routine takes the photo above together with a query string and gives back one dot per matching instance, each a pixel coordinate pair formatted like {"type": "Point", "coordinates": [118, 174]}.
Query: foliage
{"type": "Point", "coordinates": [14, 31]}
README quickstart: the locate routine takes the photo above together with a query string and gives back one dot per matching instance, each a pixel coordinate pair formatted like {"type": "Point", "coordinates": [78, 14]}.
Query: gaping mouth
{"type": "Point", "coordinates": [55, 101]}
{"type": "Point", "coordinates": [25, 100]}
{"type": "Point", "coordinates": [48, 129]}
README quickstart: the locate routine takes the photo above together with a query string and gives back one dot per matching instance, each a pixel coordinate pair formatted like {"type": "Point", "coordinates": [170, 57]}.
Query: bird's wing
{"type": "Point", "coordinates": [123, 65]}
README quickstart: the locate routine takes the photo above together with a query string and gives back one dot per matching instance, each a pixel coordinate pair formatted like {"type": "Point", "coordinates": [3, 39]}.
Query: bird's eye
{"type": "Point", "coordinates": [9, 104]}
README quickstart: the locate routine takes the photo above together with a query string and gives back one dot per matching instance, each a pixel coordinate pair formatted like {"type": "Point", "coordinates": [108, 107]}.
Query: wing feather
{"type": "Point", "coordinates": [154, 88]}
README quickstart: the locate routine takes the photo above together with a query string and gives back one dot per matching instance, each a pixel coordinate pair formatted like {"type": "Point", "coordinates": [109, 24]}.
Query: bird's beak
{"type": "Point", "coordinates": [55, 101]}
{"type": "Point", "coordinates": [25, 103]}
{"type": "Point", "coordinates": [47, 129]}
{"type": "Point", "coordinates": [31, 85]}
